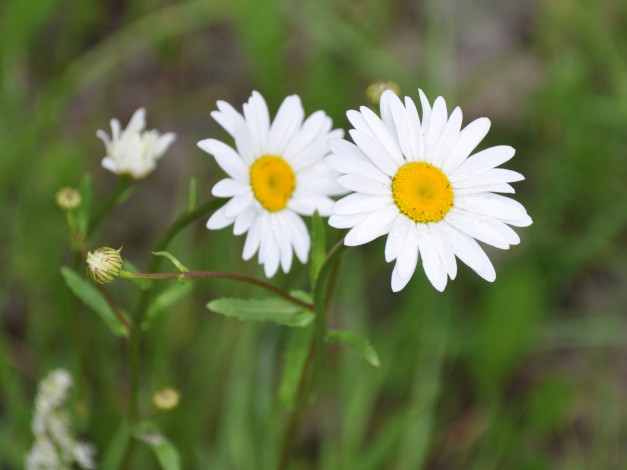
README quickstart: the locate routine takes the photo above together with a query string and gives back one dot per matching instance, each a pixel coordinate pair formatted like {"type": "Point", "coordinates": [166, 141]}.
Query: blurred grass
{"type": "Point", "coordinates": [527, 373]}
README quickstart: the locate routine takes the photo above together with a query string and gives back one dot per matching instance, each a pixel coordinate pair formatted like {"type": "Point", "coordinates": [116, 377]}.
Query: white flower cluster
{"type": "Point", "coordinates": [54, 447]}
{"type": "Point", "coordinates": [133, 152]}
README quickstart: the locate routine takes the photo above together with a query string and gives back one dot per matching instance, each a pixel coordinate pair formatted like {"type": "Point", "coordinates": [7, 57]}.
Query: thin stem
{"type": "Point", "coordinates": [315, 355]}
{"type": "Point", "coordinates": [218, 275]}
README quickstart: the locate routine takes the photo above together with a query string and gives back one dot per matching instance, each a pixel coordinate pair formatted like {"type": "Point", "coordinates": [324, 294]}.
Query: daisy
{"type": "Point", "coordinates": [133, 152]}
{"type": "Point", "coordinates": [276, 173]}
{"type": "Point", "coordinates": [413, 180]}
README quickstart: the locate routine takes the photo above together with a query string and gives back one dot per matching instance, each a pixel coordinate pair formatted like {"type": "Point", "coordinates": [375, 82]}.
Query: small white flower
{"type": "Point", "coordinates": [415, 182]}
{"type": "Point", "coordinates": [276, 174]}
{"type": "Point", "coordinates": [133, 152]}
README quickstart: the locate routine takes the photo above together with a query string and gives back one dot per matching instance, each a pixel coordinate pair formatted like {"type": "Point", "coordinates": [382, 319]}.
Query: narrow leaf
{"type": "Point", "coordinates": [318, 247]}
{"type": "Point", "coordinates": [89, 294]}
{"type": "Point", "coordinates": [295, 358]}
{"type": "Point", "coordinates": [193, 194]}
{"type": "Point", "coordinates": [82, 212]}
{"type": "Point", "coordinates": [175, 261]}
{"type": "Point", "coordinates": [164, 450]}
{"type": "Point", "coordinates": [165, 300]}
{"type": "Point", "coordinates": [358, 344]}
{"type": "Point", "coordinates": [273, 309]}
{"type": "Point", "coordinates": [116, 450]}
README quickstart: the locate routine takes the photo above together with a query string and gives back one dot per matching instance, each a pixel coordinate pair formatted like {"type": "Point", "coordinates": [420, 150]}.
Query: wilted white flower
{"type": "Point", "coordinates": [416, 182]}
{"type": "Point", "coordinates": [133, 152]}
{"type": "Point", "coordinates": [276, 174]}
{"type": "Point", "coordinates": [55, 448]}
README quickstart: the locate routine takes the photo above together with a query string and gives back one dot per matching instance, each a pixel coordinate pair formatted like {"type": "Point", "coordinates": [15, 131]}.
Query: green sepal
{"type": "Point", "coordinates": [273, 309]}
{"type": "Point", "coordinates": [91, 296]}
{"type": "Point", "coordinates": [295, 359]}
{"type": "Point", "coordinates": [175, 261]}
{"type": "Point", "coordinates": [358, 344]}
{"type": "Point", "coordinates": [318, 247]}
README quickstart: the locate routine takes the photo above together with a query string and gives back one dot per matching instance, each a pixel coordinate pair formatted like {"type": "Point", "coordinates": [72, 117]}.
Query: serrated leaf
{"type": "Point", "coordinates": [295, 359]}
{"type": "Point", "coordinates": [358, 344]}
{"type": "Point", "coordinates": [116, 450]}
{"type": "Point", "coordinates": [143, 284]}
{"type": "Point", "coordinates": [318, 246]}
{"type": "Point", "coordinates": [164, 450]}
{"type": "Point", "coordinates": [167, 298]}
{"type": "Point", "coordinates": [175, 261]}
{"type": "Point", "coordinates": [91, 296]}
{"type": "Point", "coordinates": [273, 309]}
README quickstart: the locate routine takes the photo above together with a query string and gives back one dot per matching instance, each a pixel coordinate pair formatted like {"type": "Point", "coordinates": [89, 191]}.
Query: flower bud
{"type": "Point", "coordinates": [166, 399]}
{"type": "Point", "coordinates": [104, 265]}
{"type": "Point", "coordinates": [376, 89]}
{"type": "Point", "coordinates": [68, 199]}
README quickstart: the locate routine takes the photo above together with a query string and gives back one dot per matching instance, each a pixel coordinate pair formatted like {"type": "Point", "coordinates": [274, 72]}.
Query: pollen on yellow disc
{"type": "Point", "coordinates": [273, 182]}
{"type": "Point", "coordinates": [422, 192]}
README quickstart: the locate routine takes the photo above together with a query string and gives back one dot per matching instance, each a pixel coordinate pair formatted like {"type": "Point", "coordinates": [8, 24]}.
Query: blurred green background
{"type": "Point", "coordinates": [528, 373]}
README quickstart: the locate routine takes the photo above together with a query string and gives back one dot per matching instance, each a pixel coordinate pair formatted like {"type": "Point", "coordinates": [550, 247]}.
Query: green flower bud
{"type": "Point", "coordinates": [104, 265]}
{"type": "Point", "coordinates": [68, 199]}
{"type": "Point", "coordinates": [376, 89]}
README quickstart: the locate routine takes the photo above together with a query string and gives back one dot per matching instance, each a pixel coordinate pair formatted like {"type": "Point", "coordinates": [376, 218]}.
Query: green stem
{"type": "Point", "coordinates": [315, 356]}
{"type": "Point", "coordinates": [217, 275]}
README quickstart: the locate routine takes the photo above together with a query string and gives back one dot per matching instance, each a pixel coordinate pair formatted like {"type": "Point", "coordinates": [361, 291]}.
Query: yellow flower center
{"type": "Point", "coordinates": [273, 182]}
{"type": "Point", "coordinates": [422, 192]}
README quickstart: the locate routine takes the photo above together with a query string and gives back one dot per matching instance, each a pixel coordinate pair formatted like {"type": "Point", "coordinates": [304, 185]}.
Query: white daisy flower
{"type": "Point", "coordinates": [276, 173]}
{"type": "Point", "coordinates": [414, 181]}
{"type": "Point", "coordinates": [133, 152]}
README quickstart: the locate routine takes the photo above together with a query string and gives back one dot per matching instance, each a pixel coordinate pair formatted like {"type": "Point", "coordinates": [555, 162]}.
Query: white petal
{"type": "Point", "coordinates": [356, 203]}
{"type": "Point", "coordinates": [102, 135]}
{"type": "Point", "coordinates": [244, 220]}
{"type": "Point", "coordinates": [468, 139]}
{"type": "Point", "coordinates": [347, 221]}
{"type": "Point", "coordinates": [399, 231]}
{"type": "Point", "coordinates": [252, 239]}
{"type": "Point", "coordinates": [226, 157]}
{"type": "Point", "coordinates": [237, 204]}
{"type": "Point", "coordinates": [109, 164]}
{"type": "Point", "coordinates": [315, 125]}
{"type": "Point", "coordinates": [229, 187]}
{"type": "Point", "coordinates": [408, 258]}
{"type": "Point", "coordinates": [163, 142]}
{"type": "Point", "coordinates": [227, 116]}
{"type": "Point", "coordinates": [494, 176]}
{"type": "Point", "coordinates": [359, 166]}
{"type": "Point", "coordinates": [401, 124]}
{"type": "Point", "coordinates": [375, 152]}
{"type": "Point", "coordinates": [288, 119]}
{"type": "Point", "coordinates": [137, 122]}
{"type": "Point", "coordinates": [306, 203]}
{"type": "Point", "coordinates": [219, 220]}
{"type": "Point", "coordinates": [469, 252]}
{"type": "Point", "coordinates": [416, 136]}
{"type": "Point", "coordinates": [431, 262]}
{"type": "Point", "coordinates": [258, 121]}
{"type": "Point", "coordinates": [398, 283]}
{"type": "Point", "coordinates": [364, 185]}
{"type": "Point", "coordinates": [426, 114]}
{"type": "Point", "coordinates": [386, 111]}
{"type": "Point", "coordinates": [472, 224]}
{"type": "Point", "coordinates": [444, 249]}
{"type": "Point", "coordinates": [375, 225]}
{"type": "Point", "coordinates": [436, 128]}
{"type": "Point", "coordinates": [490, 188]}
{"type": "Point", "coordinates": [300, 236]}
{"type": "Point", "coordinates": [383, 135]}
{"type": "Point", "coordinates": [492, 205]}
{"type": "Point", "coordinates": [448, 138]}
{"type": "Point", "coordinates": [482, 161]}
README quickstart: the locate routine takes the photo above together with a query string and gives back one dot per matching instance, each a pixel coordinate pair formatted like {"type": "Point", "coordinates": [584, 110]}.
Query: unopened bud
{"type": "Point", "coordinates": [104, 265]}
{"type": "Point", "coordinates": [376, 89]}
{"type": "Point", "coordinates": [166, 399]}
{"type": "Point", "coordinates": [68, 198]}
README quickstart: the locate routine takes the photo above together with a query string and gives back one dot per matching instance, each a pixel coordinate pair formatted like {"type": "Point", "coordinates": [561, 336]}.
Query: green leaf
{"type": "Point", "coordinates": [114, 455]}
{"type": "Point", "coordinates": [273, 309]}
{"type": "Point", "coordinates": [164, 450]}
{"type": "Point", "coordinates": [318, 247]}
{"type": "Point", "coordinates": [143, 284]}
{"type": "Point", "coordinates": [295, 359]}
{"type": "Point", "coordinates": [89, 294]}
{"type": "Point", "coordinates": [356, 343]}
{"type": "Point", "coordinates": [82, 212]}
{"type": "Point", "coordinates": [165, 300]}
{"type": "Point", "coordinates": [175, 261]}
